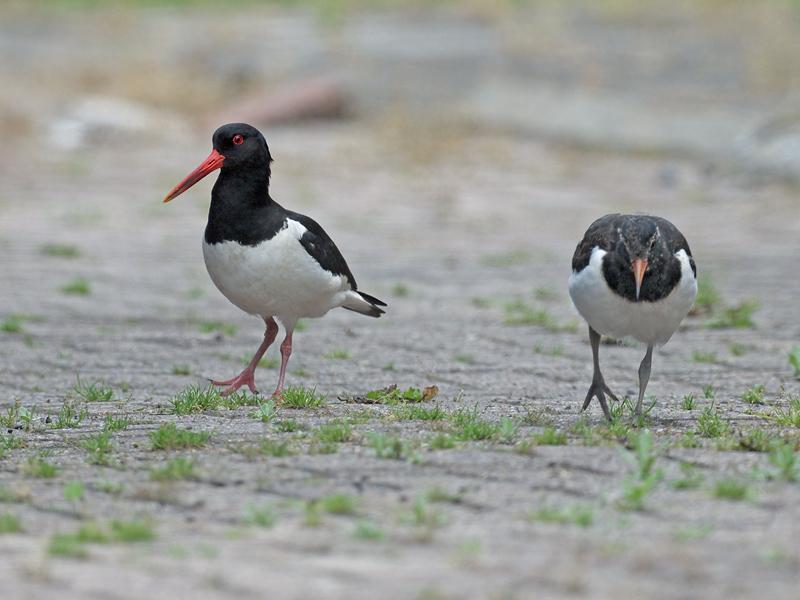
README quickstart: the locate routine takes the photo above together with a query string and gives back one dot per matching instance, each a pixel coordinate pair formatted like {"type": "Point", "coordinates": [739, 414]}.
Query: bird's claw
{"type": "Point", "coordinates": [599, 389]}
{"type": "Point", "coordinates": [246, 377]}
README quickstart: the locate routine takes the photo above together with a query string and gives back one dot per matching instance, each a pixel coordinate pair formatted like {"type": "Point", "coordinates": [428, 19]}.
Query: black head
{"type": "Point", "coordinates": [638, 238]}
{"type": "Point", "coordinates": [243, 146]}
{"type": "Point", "coordinates": [238, 147]}
{"type": "Point", "coordinates": [639, 241]}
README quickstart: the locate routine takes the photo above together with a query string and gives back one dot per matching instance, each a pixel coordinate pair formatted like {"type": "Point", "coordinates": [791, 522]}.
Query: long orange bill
{"type": "Point", "coordinates": [212, 163]}
{"type": "Point", "coordinates": [639, 267]}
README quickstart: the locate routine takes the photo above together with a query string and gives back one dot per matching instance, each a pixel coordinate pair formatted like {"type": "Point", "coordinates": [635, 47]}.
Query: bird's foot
{"type": "Point", "coordinates": [246, 377]}
{"type": "Point", "coordinates": [598, 390]}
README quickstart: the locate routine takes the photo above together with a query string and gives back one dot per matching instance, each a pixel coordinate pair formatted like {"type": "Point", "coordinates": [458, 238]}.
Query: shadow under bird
{"type": "Point", "coordinates": [265, 259]}
{"type": "Point", "coordinates": [632, 276]}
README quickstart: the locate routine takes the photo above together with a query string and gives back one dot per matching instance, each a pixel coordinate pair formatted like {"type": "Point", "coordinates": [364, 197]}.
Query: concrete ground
{"type": "Point", "coordinates": [451, 244]}
{"type": "Point", "coordinates": [108, 322]}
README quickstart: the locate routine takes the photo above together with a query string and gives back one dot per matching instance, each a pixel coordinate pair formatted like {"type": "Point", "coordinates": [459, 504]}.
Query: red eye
{"type": "Point", "coordinates": [238, 139]}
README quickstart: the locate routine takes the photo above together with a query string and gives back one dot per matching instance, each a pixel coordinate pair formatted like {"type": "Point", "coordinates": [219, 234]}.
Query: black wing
{"type": "Point", "coordinates": [603, 234]}
{"type": "Point", "coordinates": [321, 248]}
{"type": "Point", "coordinates": [675, 240]}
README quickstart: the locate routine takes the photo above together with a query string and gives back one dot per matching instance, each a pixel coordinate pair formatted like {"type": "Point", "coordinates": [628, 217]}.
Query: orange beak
{"type": "Point", "coordinates": [639, 267]}
{"type": "Point", "coordinates": [212, 163]}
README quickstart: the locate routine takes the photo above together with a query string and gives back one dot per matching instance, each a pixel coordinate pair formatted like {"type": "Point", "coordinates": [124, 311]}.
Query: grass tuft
{"type": "Point", "coordinates": [73, 545]}
{"type": "Point", "coordinates": [9, 523]}
{"type": "Point", "coordinates": [690, 479]}
{"type": "Point", "coordinates": [301, 397]}
{"type": "Point", "coordinates": [736, 317]}
{"type": "Point", "coordinates": [77, 287]}
{"type": "Point", "coordinates": [39, 467]}
{"type": "Point", "coordinates": [70, 415]}
{"type": "Point", "coordinates": [413, 412]}
{"type": "Point", "coordinates": [339, 504]}
{"type": "Point", "coordinates": [264, 516]}
{"type": "Point", "coordinates": [692, 533]}
{"type": "Point", "coordinates": [10, 443]}
{"type": "Point", "coordinates": [787, 461]}
{"type": "Point", "coordinates": [636, 487]}
{"type": "Point", "coordinates": [737, 349]}
{"type": "Point", "coordinates": [74, 491]}
{"type": "Point", "coordinates": [265, 412]}
{"type": "Point", "coordinates": [550, 436]}
{"type": "Point", "coordinates": [194, 400]}
{"type": "Point", "coordinates": [394, 395]}
{"type": "Point", "coordinates": [519, 312]}
{"type": "Point", "coordinates": [288, 426]}
{"type": "Point", "coordinates": [794, 361]}
{"type": "Point", "coordinates": [217, 327]}
{"type": "Point", "coordinates": [704, 357]}
{"type": "Point", "coordinates": [731, 489]}
{"type": "Point", "coordinates": [112, 423]}
{"type": "Point", "coordinates": [424, 518]}
{"type": "Point", "coordinates": [442, 441]}
{"type": "Point", "coordinates": [790, 415]}
{"type": "Point", "coordinates": [182, 370]}
{"type": "Point", "coordinates": [400, 290]}
{"type": "Point", "coordinates": [60, 250]}
{"type": "Point", "coordinates": [169, 437]}
{"type": "Point", "coordinates": [391, 447]}
{"type": "Point", "coordinates": [468, 425]}
{"type": "Point", "coordinates": [93, 392]}
{"type": "Point", "coordinates": [275, 448]}
{"type": "Point", "coordinates": [177, 469]}
{"type": "Point", "coordinates": [336, 432]}
{"type": "Point", "coordinates": [752, 440]}
{"type": "Point", "coordinates": [11, 324]}
{"type": "Point", "coordinates": [583, 516]}
{"type": "Point", "coordinates": [99, 448]}
{"type": "Point", "coordinates": [710, 424]}
{"type": "Point", "coordinates": [368, 531]}
{"type": "Point", "coordinates": [708, 298]}
{"type": "Point", "coordinates": [132, 531]}
{"type": "Point", "coordinates": [754, 395]}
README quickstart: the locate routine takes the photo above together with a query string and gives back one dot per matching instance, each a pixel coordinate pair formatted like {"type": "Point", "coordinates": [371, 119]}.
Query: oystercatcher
{"type": "Point", "coordinates": [632, 275]}
{"type": "Point", "coordinates": [265, 259]}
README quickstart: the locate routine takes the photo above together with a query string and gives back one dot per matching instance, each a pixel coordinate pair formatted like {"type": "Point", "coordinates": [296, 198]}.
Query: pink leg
{"type": "Point", "coordinates": [286, 351]}
{"type": "Point", "coordinates": [248, 375]}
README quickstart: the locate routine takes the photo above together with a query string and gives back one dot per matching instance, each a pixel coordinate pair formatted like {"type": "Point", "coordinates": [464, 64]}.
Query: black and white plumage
{"type": "Point", "coordinates": [267, 260]}
{"type": "Point", "coordinates": [632, 276]}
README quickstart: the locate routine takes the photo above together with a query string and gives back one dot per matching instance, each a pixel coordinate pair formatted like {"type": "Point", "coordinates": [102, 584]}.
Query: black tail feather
{"type": "Point", "coordinates": [365, 305]}
{"type": "Point", "coordinates": [373, 311]}
{"type": "Point", "coordinates": [371, 299]}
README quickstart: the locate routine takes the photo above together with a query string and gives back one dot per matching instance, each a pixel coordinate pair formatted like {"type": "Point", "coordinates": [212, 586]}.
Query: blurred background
{"type": "Point", "coordinates": [714, 79]}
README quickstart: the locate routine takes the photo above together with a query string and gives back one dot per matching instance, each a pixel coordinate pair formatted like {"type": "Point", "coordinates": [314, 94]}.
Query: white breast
{"type": "Point", "coordinates": [610, 314]}
{"type": "Point", "coordinates": [275, 278]}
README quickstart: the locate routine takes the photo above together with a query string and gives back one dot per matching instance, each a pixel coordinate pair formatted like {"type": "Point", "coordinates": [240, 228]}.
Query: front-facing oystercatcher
{"type": "Point", "coordinates": [267, 260]}
{"type": "Point", "coordinates": [632, 275]}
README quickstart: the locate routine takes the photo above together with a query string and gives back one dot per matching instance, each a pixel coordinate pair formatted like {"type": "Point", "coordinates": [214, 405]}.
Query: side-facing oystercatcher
{"type": "Point", "coordinates": [267, 260]}
{"type": "Point", "coordinates": [632, 275]}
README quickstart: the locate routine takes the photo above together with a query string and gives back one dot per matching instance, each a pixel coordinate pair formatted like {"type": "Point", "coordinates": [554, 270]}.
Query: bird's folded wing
{"type": "Point", "coordinates": [322, 249]}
